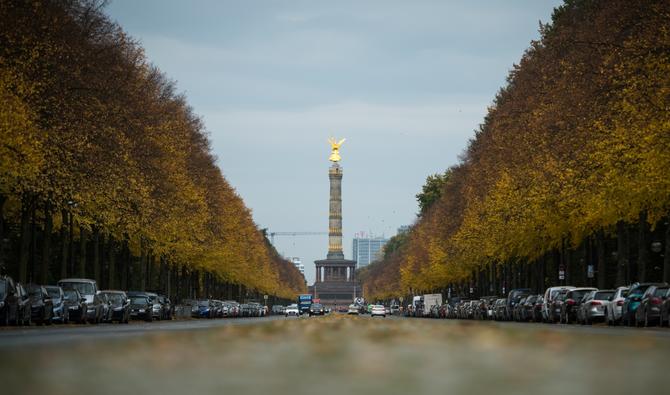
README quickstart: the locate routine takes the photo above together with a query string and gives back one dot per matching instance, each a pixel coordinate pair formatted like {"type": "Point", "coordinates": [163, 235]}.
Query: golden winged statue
{"type": "Point", "coordinates": [335, 149]}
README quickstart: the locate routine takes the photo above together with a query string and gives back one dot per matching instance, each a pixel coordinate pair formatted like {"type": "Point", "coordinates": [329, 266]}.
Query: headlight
{"type": "Point", "coordinates": [74, 307]}
{"type": "Point", "coordinates": [141, 310]}
{"type": "Point", "coordinates": [2, 304]}
{"type": "Point", "coordinates": [118, 308]}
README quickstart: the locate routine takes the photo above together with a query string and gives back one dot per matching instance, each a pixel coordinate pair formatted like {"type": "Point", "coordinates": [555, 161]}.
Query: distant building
{"type": "Point", "coordinates": [368, 249]}
{"type": "Point", "coordinates": [298, 264]}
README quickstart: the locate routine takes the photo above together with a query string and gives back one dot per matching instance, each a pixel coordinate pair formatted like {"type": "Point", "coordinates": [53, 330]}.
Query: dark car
{"type": "Point", "coordinates": [141, 308]}
{"type": "Point", "coordinates": [167, 307]}
{"type": "Point", "coordinates": [526, 309]}
{"type": "Point", "coordinates": [41, 304]}
{"type": "Point", "coordinates": [61, 313]}
{"type": "Point", "coordinates": [119, 306]}
{"type": "Point", "coordinates": [88, 289]}
{"type": "Point", "coordinates": [664, 319]}
{"type": "Point", "coordinates": [205, 309]}
{"type": "Point", "coordinates": [24, 316]}
{"type": "Point", "coordinates": [649, 311]}
{"type": "Point", "coordinates": [513, 298]}
{"type": "Point", "coordinates": [573, 299]}
{"type": "Point", "coordinates": [537, 309]}
{"type": "Point", "coordinates": [316, 309]}
{"type": "Point", "coordinates": [633, 300]}
{"type": "Point", "coordinates": [76, 305]}
{"type": "Point", "coordinates": [9, 301]}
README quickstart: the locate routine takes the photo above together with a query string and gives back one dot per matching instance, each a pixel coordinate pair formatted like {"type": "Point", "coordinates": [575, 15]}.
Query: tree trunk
{"type": "Point", "coordinates": [143, 266]}
{"type": "Point", "coordinates": [46, 243]}
{"type": "Point", "coordinates": [24, 251]}
{"type": "Point", "coordinates": [3, 199]}
{"type": "Point", "coordinates": [96, 254]}
{"type": "Point", "coordinates": [82, 252]}
{"type": "Point", "coordinates": [642, 254]}
{"type": "Point", "coordinates": [111, 261]}
{"type": "Point", "coordinates": [64, 243]}
{"type": "Point", "coordinates": [602, 271]}
{"type": "Point", "coordinates": [666, 258]}
{"type": "Point", "coordinates": [622, 253]}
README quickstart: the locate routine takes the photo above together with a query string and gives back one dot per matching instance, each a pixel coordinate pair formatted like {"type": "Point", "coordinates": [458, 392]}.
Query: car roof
{"type": "Point", "coordinates": [77, 280]}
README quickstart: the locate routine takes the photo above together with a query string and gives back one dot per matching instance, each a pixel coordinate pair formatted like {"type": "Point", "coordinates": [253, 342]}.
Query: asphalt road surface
{"type": "Point", "coordinates": [336, 354]}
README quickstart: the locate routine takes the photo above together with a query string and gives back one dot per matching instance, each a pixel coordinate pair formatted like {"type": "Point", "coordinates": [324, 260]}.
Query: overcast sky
{"type": "Point", "coordinates": [406, 82]}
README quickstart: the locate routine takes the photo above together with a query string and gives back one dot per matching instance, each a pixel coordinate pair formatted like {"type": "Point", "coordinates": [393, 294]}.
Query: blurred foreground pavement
{"type": "Point", "coordinates": [348, 355]}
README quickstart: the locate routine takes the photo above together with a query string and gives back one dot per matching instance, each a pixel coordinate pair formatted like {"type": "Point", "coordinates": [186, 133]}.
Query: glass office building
{"type": "Point", "coordinates": [368, 249]}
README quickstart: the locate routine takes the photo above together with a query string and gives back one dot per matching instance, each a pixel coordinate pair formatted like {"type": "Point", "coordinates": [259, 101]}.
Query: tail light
{"type": "Point", "coordinates": [570, 302]}
{"type": "Point", "coordinates": [595, 303]}
{"type": "Point", "coordinates": [619, 303]}
{"type": "Point", "coordinates": [655, 300]}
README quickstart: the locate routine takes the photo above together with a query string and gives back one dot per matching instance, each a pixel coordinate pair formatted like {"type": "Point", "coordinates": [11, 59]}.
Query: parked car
{"type": "Point", "coordinates": [513, 298]}
{"type": "Point", "coordinates": [76, 305]}
{"type": "Point", "coordinates": [633, 300]}
{"type": "Point", "coordinates": [549, 311]}
{"type": "Point", "coordinates": [573, 299]}
{"type": "Point", "coordinates": [649, 311]}
{"type": "Point", "coordinates": [537, 309]}
{"type": "Point", "coordinates": [168, 310]}
{"type": "Point", "coordinates": [24, 313]}
{"type": "Point", "coordinates": [119, 306]}
{"type": "Point", "coordinates": [353, 309]}
{"type": "Point", "coordinates": [9, 301]}
{"type": "Point", "coordinates": [665, 310]}
{"type": "Point", "coordinates": [61, 312]}
{"type": "Point", "coordinates": [141, 308]}
{"type": "Point", "coordinates": [526, 309]}
{"type": "Point", "coordinates": [41, 304]}
{"type": "Point", "coordinates": [499, 309]}
{"type": "Point", "coordinates": [205, 309]}
{"type": "Point", "coordinates": [316, 309]}
{"type": "Point", "coordinates": [88, 289]}
{"type": "Point", "coordinates": [592, 307]}
{"type": "Point", "coordinates": [277, 309]}
{"type": "Point", "coordinates": [614, 306]}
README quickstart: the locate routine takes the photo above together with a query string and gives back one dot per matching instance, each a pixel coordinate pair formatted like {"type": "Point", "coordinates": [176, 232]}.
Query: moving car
{"type": "Point", "coordinates": [378, 310]}
{"type": "Point", "coordinates": [353, 309]}
{"type": "Point", "coordinates": [316, 309]}
{"type": "Point", "coordinates": [292, 310]}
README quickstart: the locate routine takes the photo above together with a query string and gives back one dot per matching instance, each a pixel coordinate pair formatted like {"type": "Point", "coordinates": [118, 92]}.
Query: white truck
{"type": "Point", "coordinates": [430, 300]}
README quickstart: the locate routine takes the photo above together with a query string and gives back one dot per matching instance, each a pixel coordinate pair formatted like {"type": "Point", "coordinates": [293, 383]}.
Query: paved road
{"type": "Point", "coordinates": [62, 334]}
{"type": "Point", "coordinates": [333, 355]}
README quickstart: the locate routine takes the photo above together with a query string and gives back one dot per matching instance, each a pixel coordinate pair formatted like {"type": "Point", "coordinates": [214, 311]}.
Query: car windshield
{"type": "Point", "coordinates": [660, 292]}
{"type": "Point", "coordinates": [292, 306]}
{"type": "Point", "coordinates": [83, 288]}
{"type": "Point", "coordinates": [138, 300]}
{"type": "Point", "coordinates": [54, 293]}
{"type": "Point", "coordinates": [70, 294]}
{"type": "Point", "coordinates": [203, 303]}
{"type": "Point", "coordinates": [603, 295]}
{"type": "Point", "coordinates": [115, 298]}
{"type": "Point", "coordinates": [34, 291]}
{"type": "Point", "coordinates": [316, 306]}
{"type": "Point", "coordinates": [578, 295]}
{"type": "Point", "coordinates": [639, 290]}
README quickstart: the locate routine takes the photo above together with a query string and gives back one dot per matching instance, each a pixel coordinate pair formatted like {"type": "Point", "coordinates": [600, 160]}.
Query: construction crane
{"type": "Point", "coordinates": [273, 234]}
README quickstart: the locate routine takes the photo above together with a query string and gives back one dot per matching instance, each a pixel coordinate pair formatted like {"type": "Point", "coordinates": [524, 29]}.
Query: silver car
{"type": "Point", "coordinates": [593, 306]}
{"type": "Point", "coordinates": [615, 306]}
